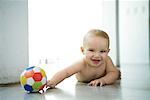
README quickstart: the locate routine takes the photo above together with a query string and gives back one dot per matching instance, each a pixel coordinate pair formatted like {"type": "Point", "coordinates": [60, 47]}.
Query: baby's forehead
{"type": "Point", "coordinates": [96, 40]}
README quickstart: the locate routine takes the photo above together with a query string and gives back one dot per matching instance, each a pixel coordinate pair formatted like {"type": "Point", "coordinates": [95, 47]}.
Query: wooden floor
{"type": "Point", "coordinates": [134, 85]}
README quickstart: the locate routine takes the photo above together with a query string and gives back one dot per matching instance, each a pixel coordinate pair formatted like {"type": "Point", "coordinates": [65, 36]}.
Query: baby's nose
{"type": "Point", "coordinates": [97, 54]}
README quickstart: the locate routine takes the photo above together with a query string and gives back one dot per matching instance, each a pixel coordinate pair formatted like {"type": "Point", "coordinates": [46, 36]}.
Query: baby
{"type": "Point", "coordinates": [96, 67]}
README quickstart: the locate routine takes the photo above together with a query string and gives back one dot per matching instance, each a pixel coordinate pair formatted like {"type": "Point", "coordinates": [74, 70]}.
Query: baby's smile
{"type": "Point", "coordinates": [96, 61]}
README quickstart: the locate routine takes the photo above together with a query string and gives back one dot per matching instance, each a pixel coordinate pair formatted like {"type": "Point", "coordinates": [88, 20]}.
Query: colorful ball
{"type": "Point", "coordinates": [33, 79]}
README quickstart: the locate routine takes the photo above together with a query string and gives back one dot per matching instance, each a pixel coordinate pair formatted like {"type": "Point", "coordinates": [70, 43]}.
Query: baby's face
{"type": "Point", "coordinates": [95, 50]}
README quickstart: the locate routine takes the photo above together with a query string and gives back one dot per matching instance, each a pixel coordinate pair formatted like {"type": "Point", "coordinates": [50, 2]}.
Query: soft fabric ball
{"type": "Point", "coordinates": [33, 79]}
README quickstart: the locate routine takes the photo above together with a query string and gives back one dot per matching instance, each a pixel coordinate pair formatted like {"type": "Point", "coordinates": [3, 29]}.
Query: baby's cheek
{"type": "Point", "coordinates": [104, 55]}
{"type": "Point", "coordinates": [88, 55]}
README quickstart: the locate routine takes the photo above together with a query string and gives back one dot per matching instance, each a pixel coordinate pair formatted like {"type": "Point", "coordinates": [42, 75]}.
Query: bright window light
{"type": "Point", "coordinates": [56, 28]}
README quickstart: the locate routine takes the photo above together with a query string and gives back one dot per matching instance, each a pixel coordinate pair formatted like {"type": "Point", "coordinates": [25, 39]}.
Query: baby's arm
{"type": "Point", "coordinates": [112, 73]}
{"type": "Point", "coordinates": [65, 73]}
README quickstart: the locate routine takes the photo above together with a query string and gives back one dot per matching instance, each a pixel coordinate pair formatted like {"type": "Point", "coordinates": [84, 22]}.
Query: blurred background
{"type": "Point", "coordinates": [56, 28]}
{"type": "Point", "coordinates": [46, 32]}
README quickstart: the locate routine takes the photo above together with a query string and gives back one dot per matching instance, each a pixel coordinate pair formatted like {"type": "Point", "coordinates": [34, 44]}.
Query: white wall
{"type": "Point", "coordinates": [13, 39]}
{"type": "Point", "coordinates": [134, 32]}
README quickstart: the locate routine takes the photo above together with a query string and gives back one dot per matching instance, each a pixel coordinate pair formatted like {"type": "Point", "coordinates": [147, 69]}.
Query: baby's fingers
{"type": "Point", "coordinates": [91, 83]}
{"type": "Point", "coordinates": [101, 84]}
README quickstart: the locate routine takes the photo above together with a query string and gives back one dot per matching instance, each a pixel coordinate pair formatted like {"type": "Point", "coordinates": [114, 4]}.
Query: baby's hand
{"type": "Point", "coordinates": [98, 82]}
{"type": "Point", "coordinates": [50, 84]}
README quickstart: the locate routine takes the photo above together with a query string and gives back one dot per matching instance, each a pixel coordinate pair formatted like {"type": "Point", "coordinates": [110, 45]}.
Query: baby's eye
{"type": "Point", "coordinates": [91, 50]}
{"type": "Point", "coordinates": [103, 51]}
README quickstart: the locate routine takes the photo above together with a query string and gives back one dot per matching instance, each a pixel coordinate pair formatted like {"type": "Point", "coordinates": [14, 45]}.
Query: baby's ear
{"type": "Point", "coordinates": [82, 49]}
{"type": "Point", "coordinates": [108, 50]}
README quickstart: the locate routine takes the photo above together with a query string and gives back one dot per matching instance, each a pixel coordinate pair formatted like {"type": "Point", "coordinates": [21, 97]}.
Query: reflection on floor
{"type": "Point", "coordinates": [134, 85]}
{"type": "Point", "coordinates": [135, 82]}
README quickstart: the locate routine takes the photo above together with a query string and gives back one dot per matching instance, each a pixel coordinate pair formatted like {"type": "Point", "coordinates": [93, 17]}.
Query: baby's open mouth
{"type": "Point", "coordinates": [96, 61]}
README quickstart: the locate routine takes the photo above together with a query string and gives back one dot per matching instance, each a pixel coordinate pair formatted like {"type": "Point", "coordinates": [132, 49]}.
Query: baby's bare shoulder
{"type": "Point", "coordinates": [108, 59]}
{"type": "Point", "coordinates": [110, 65]}
{"type": "Point", "coordinates": [81, 63]}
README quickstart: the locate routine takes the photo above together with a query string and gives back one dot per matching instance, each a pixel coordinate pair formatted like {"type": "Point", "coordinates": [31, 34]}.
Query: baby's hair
{"type": "Point", "coordinates": [96, 32]}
